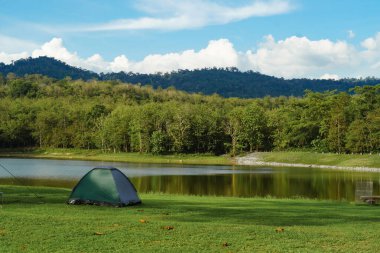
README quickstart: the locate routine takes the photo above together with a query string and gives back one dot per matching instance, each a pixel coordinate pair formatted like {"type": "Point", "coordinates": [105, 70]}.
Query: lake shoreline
{"type": "Point", "coordinates": [289, 159]}
{"type": "Point", "coordinates": [97, 155]}
{"type": "Point", "coordinates": [253, 160]}
{"type": "Point", "coordinates": [299, 160]}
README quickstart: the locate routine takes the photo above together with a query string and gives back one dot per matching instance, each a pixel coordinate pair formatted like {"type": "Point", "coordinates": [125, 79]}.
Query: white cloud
{"type": "Point", "coordinates": [120, 63]}
{"type": "Point", "coordinates": [370, 44]}
{"type": "Point", "coordinates": [56, 49]}
{"type": "Point", "coordinates": [372, 54]}
{"type": "Point", "coordinates": [302, 57]}
{"type": "Point", "coordinates": [329, 77]}
{"type": "Point", "coordinates": [9, 58]}
{"type": "Point", "coordinates": [293, 57]}
{"type": "Point", "coordinates": [218, 53]}
{"type": "Point", "coordinates": [185, 14]}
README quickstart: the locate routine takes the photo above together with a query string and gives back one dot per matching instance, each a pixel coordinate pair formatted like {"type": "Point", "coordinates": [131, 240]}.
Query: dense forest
{"type": "Point", "coordinates": [38, 111]}
{"type": "Point", "coordinates": [228, 82]}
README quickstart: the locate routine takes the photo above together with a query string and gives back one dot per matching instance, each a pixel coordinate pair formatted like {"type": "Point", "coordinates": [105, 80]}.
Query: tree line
{"type": "Point", "coordinates": [37, 111]}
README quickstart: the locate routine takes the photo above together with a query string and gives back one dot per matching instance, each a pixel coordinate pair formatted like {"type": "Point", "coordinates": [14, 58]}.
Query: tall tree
{"type": "Point", "coordinates": [234, 128]}
{"type": "Point", "coordinates": [339, 121]}
{"type": "Point", "coordinates": [254, 125]}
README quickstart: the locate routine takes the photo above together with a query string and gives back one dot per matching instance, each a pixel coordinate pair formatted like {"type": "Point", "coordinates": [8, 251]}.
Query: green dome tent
{"type": "Point", "coordinates": [104, 186]}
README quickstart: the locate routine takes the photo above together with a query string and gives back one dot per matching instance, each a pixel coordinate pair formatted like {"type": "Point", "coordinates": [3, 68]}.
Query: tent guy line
{"type": "Point", "coordinates": [19, 181]}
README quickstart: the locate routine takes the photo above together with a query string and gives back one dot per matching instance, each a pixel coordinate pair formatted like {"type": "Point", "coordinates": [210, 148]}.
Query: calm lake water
{"type": "Point", "coordinates": [201, 179]}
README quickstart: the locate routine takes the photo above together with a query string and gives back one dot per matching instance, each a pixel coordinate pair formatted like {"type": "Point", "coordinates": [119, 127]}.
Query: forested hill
{"type": "Point", "coordinates": [48, 67]}
{"type": "Point", "coordinates": [233, 83]}
{"type": "Point", "coordinates": [225, 82]}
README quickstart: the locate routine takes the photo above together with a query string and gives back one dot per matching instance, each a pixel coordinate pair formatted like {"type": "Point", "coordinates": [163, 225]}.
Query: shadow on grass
{"type": "Point", "coordinates": [33, 195]}
{"type": "Point", "coordinates": [269, 212]}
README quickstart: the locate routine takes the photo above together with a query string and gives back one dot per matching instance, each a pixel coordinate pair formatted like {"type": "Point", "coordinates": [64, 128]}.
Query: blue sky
{"type": "Point", "coordinates": [288, 38]}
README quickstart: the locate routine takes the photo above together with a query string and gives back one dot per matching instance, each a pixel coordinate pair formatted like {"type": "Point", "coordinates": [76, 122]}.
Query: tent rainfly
{"type": "Point", "coordinates": [104, 186]}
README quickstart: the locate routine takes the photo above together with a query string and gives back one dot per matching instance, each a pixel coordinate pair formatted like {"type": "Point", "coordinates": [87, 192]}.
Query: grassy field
{"type": "Point", "coordinates": [322, 159]}
{"type": "Point", "coordinates": [173, 223]}
{"type": "Point", "coordinates": [97, 155]}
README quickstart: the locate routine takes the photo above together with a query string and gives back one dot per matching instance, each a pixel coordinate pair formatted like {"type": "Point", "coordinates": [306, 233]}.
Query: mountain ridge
{"type": "Point", "coordinates": [227, 82]}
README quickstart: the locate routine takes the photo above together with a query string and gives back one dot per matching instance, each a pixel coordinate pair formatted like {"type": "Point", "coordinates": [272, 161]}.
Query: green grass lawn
{"type": "Point", "coordinates": [200, 224]}
{"type": "Point", "coordinates": [322, 159]}
{"type": "Point", "coordinates": [98, 155]}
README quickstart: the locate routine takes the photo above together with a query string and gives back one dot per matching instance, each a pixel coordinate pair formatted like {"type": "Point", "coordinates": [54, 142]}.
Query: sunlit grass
{"type": "Point", "coordinates": [200, 224]}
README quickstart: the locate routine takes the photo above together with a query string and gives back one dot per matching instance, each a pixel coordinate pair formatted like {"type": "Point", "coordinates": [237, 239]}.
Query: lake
{"type": "Point", "coordinates": [240, 181]}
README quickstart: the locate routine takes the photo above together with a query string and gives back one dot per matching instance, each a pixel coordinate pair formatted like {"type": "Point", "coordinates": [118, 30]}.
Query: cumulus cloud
{"type": "Point", "coordinates": [55, 49]}
{"type": "Point", "coordinates": [120, 63]}
{"type": "Point", "coordinates": [218, 53]}
{"type": "Point", "coordinates": [185, 14]}
{"type": "Point", "coordinates": [293, 57]}
{"type": "Point", "coordinates": [300, 57]}
{"type": "Point", "coordinates": [370, 44]}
